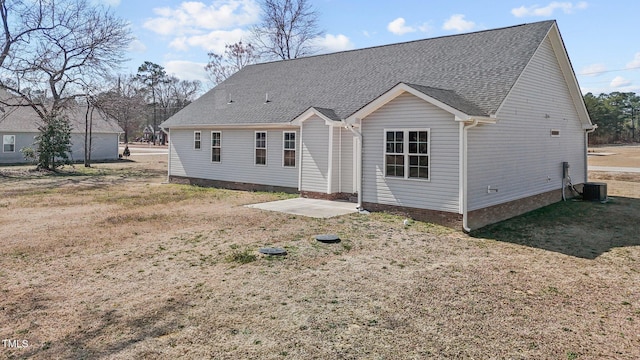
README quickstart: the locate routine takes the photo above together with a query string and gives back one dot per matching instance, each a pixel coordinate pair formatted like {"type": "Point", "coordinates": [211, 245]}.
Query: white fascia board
{"type": "Point", "coordinates": [313, 112]}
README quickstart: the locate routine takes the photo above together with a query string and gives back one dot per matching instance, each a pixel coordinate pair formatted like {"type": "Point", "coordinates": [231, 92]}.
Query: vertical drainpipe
{"type": "Point", "coordinates": [586, 152]}
{"type": "Point", "coordinates": [299, 153]}
{"type": "Point", "coordinates": [465, 184]}
{"type": "Point", "coordinates": [358, 154]}
{"type": "Point", "coordinates": [169, 159]}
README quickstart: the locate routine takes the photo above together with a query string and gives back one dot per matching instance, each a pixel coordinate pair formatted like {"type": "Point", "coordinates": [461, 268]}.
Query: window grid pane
{"type": "Point", "coordinates": [419, 166]}
{"type": "Point", "coordinates": [395, 165]}
{"type": "Point", "coordinates": [289, 158]}
{"type": "Point", "coordinates": [418, 142]}
{"type": "Point", "coordinates": [261, 156]}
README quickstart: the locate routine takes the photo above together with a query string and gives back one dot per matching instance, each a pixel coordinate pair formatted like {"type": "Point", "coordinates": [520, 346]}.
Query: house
{"type": "Point", "coordinates": [19, 126]}
{"type": "Point", "coordinates": [464, 130]}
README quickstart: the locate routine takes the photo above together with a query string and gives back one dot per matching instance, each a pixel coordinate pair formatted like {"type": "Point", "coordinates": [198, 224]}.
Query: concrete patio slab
{"type": "Point", "coordinates": [308, 207]}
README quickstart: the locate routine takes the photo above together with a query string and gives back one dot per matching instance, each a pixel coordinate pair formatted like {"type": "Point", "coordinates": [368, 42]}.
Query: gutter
{"type": "Point", "coordinates": [357, 134]}
{"type": "Point", "coordinates": [464, 168]}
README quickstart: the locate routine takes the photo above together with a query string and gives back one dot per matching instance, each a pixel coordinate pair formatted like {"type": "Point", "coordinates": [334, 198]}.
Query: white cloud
{"type": "Point", "coordinates": [212, 41]}
{"type": "Point", "coordinates": [457, 23]}
{"type": "Point", "coordinates": [112, 3]}
{"type": "Point", "coordinates": [619, 82]}
{"type": "Point", "coordinates": [635, 63]}
{"type": "Point", "coordinates": [194, 17]}
{"type": "Point", "coordinates": [546, 11]}
{"type": "Point", "coordinates": [186, 70]}
{"type": "Point", "coordinates": [593, 70]}
{"type": "Point", "coordinates": [425, 28]}
{"type": "Point", "coordinates": [333, 43]}
{"type": "Point", "coordinates": [399, 27]}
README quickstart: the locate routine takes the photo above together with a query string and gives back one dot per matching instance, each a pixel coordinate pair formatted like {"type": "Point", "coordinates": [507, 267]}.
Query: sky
{"type": "Point", "coordinates": [601, 37]}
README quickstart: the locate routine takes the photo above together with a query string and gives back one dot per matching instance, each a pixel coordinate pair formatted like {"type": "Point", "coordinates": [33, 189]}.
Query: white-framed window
{"type": "Point", "coordinates": [261, 148]}
{"type": "Point", "coordinates": [216, 146]}
{"type": "Point", "coordinates": [289, 149]}
{"type": "Point", "coordinates": [407, 154]}
{"type": "Point", "coordinates": [197, 140]}
{"type": "Point", "coordinates": [555, 133]}
{"type": "Point", "coordinates": [8, 143]}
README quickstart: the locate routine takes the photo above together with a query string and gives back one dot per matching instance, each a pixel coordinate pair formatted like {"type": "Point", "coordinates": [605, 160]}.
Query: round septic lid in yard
{"type": "Point", "coordinates": [272, 251]}
{"type": "Point", "coordinates": [328, 238]}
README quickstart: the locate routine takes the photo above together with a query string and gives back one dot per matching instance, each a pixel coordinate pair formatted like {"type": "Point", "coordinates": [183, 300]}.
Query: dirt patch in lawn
{"type": "Point", "coordinates": [615, 156]}
{"type": "Point", "coordinates": [112, 263]}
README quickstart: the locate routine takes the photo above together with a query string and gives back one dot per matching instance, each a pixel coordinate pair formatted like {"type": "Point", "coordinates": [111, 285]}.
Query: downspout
{"type": "Point", "coordinates": [586, 151]}
{"type": "Point", "coordinates": [358, 155]}
{"type": "Point", "coordinates": [465, 185]}
{"type": "Point", "coordinates": [169, 159]}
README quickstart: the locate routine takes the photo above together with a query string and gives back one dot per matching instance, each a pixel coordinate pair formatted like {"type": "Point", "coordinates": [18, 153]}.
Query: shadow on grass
{"type": "Point", "coordinates": [576, 228]}
{"type": "Point", "coordinates": [111, 331]}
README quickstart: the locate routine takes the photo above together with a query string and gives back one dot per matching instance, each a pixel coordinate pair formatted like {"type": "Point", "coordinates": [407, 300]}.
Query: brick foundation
{"type": "Point", "coordinates": [230, 185]}
{"type": "Point", "coordinates": [324, 196]}
{"type": "Point", "coordinates": [449, 219]}
{"type": "Point", "coordinates": [476, 219]}
{"type": "Point", "coordinates": [493, 214]}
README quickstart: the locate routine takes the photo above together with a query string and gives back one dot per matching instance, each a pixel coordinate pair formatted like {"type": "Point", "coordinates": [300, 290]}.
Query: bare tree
{"type": "Point", "coordinates": [52, 50]}
{"type": "Point", "coordinates": [174, 94]}
{"type": "Point", "coordinates": [287, 29]}
{"type": "Point", "coordinates": [235, 57]}
{"type": "Point", "coordinates": [125, 103]}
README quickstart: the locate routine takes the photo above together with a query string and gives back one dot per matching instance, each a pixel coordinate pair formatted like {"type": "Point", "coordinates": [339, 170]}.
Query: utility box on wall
{"type": "Point", "coordinates": [594, 191]}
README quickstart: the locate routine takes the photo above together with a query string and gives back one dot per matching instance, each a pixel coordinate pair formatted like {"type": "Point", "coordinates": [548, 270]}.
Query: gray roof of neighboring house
{"type": "Point", "coordinates": [21, 119]}
{"type": "Point", "coordinates": [472, 73]}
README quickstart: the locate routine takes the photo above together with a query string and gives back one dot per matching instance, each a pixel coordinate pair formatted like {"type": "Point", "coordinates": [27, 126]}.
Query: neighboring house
{"type": "Point", "coordinates": [464, 130]}
{"type": "Point", "coordinates": [19, 126]}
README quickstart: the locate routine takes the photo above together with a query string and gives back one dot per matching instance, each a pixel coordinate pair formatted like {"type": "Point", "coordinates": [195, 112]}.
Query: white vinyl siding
{"type": "Point", "coordinates": [104, 146]}
{"type": "Point", "coordinates": [315, 155]}
{"type": "Point", "coordinates": [517, 155]}
{"type": "Point", "coordinates": [409, 112]}
{"type": "Point", "coordinates": [346, 162]}
{"type": "Point", "coordinates": [237, 163]}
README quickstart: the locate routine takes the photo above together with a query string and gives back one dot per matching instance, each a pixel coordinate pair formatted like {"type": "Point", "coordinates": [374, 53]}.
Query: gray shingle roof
{"type": "Point", "coordinates": [20, 119]}
{"type": "Point", "coordinates": [471, 72]}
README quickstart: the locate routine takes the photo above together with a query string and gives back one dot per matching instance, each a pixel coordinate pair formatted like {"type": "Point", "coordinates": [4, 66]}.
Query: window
{"type": "Point", "coordinates": [407, 154]}
{"type": "Point", "coordinates": [289, 148]}
{"type": "Point", "coordinates": [216, 145]}
{"type": "Point", "coordinates": [555, 133]}
{"type": "Point", "coordinates": [261, 148]}
{"type": "Point", "coordinates": [8, 143]}
{"type": "Point", "coordinates": [196, 140]}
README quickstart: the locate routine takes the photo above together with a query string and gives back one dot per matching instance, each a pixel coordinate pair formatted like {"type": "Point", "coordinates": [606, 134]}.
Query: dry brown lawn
{"type": "Point", "coordinates": [111, 262]}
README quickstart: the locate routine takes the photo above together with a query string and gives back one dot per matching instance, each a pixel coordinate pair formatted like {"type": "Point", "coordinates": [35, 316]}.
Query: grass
{"type": "Point", "coordinates": [114, 264]}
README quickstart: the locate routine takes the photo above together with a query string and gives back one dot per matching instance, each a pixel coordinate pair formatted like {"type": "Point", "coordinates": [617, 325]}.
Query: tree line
{"type": "Point", "coordinates": [617, 115]}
